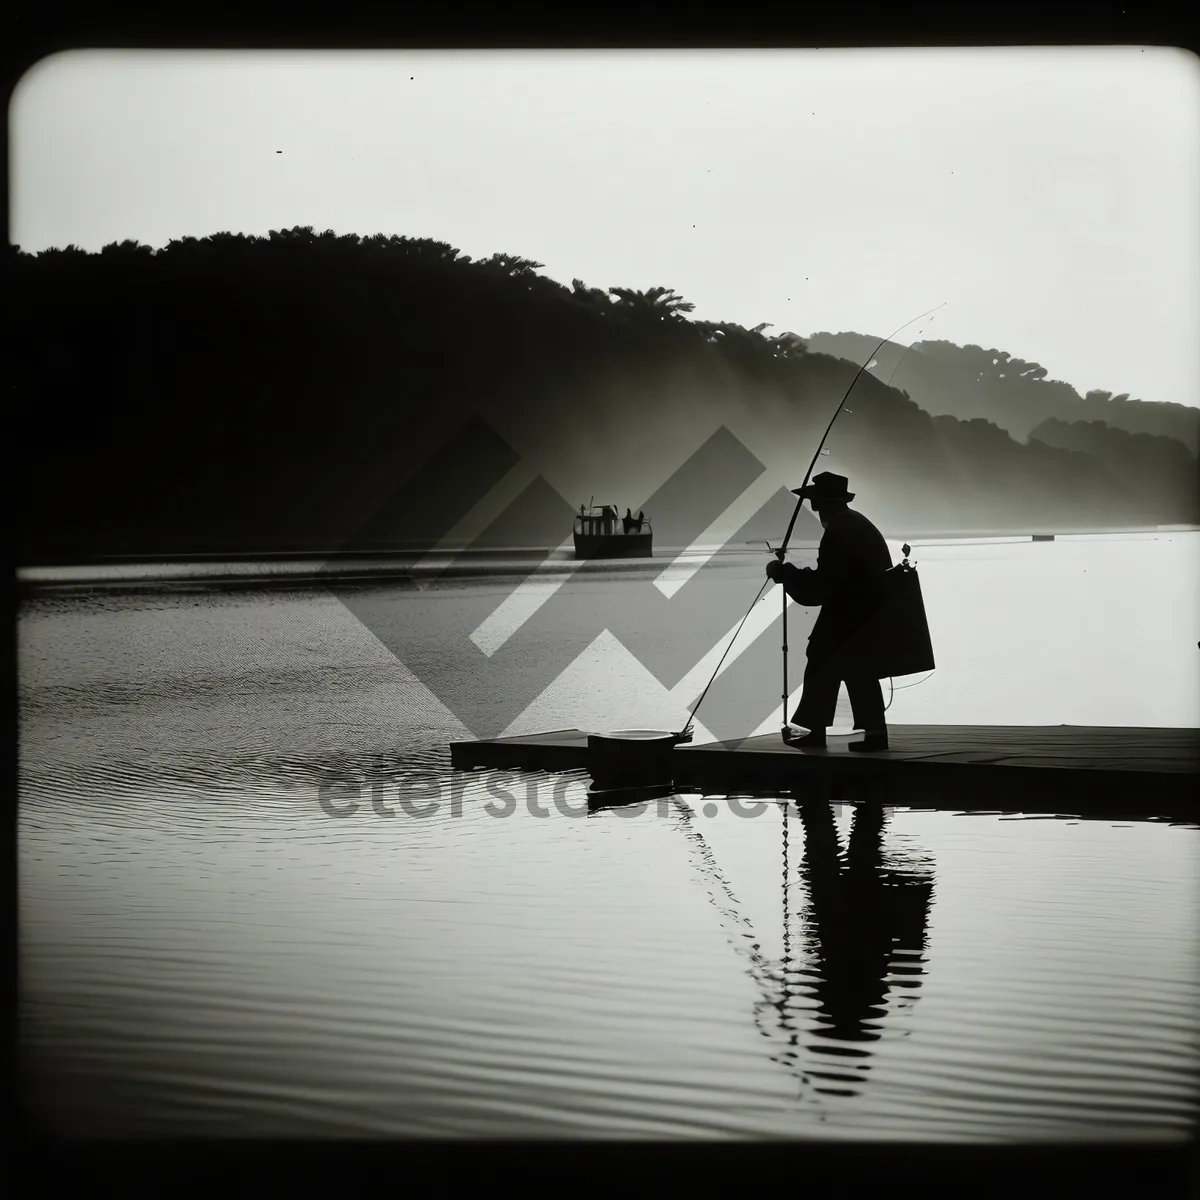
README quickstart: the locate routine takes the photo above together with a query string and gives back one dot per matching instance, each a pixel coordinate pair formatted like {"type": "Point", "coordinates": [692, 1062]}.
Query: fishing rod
{"type": "Point", "coordinates": [685, 735]}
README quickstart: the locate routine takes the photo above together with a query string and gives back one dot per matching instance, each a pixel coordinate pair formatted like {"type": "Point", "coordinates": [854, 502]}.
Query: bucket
{"type": "Point", "coordinates": [630, 758]}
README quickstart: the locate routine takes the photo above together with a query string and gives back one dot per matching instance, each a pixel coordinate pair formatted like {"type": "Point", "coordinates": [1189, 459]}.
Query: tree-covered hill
{"type": "Point", "coordinates": [1159, 470]}
{"type": "Point", "coordinates": [969, 381]}
{"type": "Point", "coordinates": [235, 392]}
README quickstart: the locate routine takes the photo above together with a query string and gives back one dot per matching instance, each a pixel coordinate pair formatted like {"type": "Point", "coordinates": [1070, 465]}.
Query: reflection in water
{"type": "Point", "coordinates": [863, 913]}
{"type": "Point", "coordinates": [771, 1011]}
{"type": "Point", "coordinates": [204, 948]}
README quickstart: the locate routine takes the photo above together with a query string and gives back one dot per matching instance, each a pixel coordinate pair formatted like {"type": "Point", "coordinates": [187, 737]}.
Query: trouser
{"type": "Point", "coordinates": [822, 681]}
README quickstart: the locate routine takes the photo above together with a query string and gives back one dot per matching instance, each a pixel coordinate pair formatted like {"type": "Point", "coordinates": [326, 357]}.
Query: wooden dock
{"type": "Point", "coordinates": [1059, 769]}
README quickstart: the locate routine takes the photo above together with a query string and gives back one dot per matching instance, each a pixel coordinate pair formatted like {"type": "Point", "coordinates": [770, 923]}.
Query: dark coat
{"type": "Point", "coordinates": [848, 584]}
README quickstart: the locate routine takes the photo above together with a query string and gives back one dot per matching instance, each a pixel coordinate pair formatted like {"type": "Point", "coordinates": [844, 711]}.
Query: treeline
{"type": "Point", "coordinates": [969, 381]}
{"type": "Point", "coordinates": [1157, 470]}
{"type": "Point", "coordinates": [236, 392]}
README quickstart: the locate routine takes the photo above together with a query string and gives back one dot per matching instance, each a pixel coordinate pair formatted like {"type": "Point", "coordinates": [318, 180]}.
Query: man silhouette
{"type": "Point", "coordinates": [849, 585]}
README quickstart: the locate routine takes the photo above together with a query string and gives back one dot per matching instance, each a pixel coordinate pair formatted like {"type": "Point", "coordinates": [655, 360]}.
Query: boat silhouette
{"type": "Point", "coordinates": [601, 533]}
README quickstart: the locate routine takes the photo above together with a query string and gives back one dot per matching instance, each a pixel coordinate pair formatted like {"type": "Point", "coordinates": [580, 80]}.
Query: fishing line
{"type": "Point", "coordinates": [688, 729]}
{"type": "Point", "coordinates": [903, 686]}
{"type": "Point", "coordinates": [771, 980]}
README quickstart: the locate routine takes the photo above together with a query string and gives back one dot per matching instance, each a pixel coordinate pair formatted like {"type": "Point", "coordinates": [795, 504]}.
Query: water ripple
{"type": "Point", "coordinates": [256, 901]}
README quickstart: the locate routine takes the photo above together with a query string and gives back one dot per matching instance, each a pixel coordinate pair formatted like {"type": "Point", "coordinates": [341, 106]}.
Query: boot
{"type": "Point", "coordinates": [873, 740]}
{"type": "Point", "coordinates": [813, 740]}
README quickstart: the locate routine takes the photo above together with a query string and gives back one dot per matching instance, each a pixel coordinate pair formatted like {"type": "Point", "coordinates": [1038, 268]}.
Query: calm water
{"type": "Point", "coordinates": [205, 950]}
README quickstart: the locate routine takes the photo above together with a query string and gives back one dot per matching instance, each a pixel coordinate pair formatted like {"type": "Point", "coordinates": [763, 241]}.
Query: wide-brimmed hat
{"type": "Point", "coordinates": [826, 486]}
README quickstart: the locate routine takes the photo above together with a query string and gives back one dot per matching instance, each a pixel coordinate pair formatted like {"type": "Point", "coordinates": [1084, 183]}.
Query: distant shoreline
{"type": "Point", "coordinates": [305, 569]}
{"type": "Point", "coordinates": [418, 553]}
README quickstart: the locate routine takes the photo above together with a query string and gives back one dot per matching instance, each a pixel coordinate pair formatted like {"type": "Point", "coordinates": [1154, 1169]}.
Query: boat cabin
{"type": "Point", "coordinates": [601, 532]}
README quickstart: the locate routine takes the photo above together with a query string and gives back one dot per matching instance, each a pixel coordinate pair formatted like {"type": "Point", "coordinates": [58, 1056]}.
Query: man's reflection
{"type": "Point", "coordinates": [866, 920]}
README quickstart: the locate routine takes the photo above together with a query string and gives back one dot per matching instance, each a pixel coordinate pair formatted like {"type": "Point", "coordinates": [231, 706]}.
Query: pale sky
{"type": "Point", "coordinates": [1049, 196]}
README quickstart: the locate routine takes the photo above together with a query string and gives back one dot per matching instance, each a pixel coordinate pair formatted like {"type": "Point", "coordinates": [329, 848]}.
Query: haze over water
{"type": "Point", "coordinates": [205, 950]}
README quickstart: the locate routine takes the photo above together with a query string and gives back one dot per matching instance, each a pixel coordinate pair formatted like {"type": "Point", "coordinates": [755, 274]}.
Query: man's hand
{"type": "Point", "coordinates": [774, 570]}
